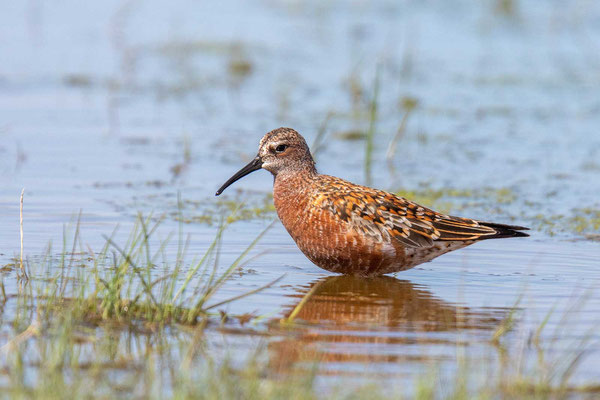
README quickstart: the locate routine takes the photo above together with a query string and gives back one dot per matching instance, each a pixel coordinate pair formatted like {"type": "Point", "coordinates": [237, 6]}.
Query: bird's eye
{"type": "Point", "coordinates": [281, 148]}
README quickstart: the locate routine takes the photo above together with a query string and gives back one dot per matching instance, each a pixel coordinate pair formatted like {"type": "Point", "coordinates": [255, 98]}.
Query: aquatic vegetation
{"type": "Point", "coordinates": [119, 284]}
{"type": "Point", "coordinates": [255, 206]}
{"type": "Point", "coordinates": [106, 324]}
{"type": "Point", "coordinates": [583, 221]}
{"type": "Point", "coordinates": [370, 135]}
{"type": "Point", "coordinates": [78, 80]}
{"type": "Point", "coordinates": [183, 165]}
{"type": "Point", "coordinates": [319, 141]}
{"type": "Point", "coordinates": [59, 350]}
{"type": "Point", "coordinates": [240, 68]}
{"type": "Point", "coordinates": [506, 7]}
{"type": "Point", "coordinates": [453, 199]}
{"type": "Point", "coordinates": [239, 64]}
{"type": "Point", "coordinates": [351, 135]}
{"type": "Point", "coordinates": [407, 104]}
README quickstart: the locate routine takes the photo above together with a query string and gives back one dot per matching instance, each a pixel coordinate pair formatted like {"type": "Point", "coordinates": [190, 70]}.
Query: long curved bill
{"type": "Point", "coordinates": [252, 166]}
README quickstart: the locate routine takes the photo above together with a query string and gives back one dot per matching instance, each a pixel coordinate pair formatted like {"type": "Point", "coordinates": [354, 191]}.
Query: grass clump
{"type": "Point", "coordinates": [119, 284]}
{"type": "Point", "coordinates": [108, 324]}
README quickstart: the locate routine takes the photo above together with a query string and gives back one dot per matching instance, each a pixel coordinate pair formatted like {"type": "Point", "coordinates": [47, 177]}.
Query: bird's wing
{"type": "Point", "coordinates": [383, 216]}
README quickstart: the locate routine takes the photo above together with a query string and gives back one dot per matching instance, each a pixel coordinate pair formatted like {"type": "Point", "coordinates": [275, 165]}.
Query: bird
{"type": "Point", "coordinates": [351, 229]}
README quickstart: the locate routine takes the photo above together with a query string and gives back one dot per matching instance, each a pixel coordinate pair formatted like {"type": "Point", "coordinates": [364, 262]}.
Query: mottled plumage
{"type": "Point", "coordinates": [352, 229]}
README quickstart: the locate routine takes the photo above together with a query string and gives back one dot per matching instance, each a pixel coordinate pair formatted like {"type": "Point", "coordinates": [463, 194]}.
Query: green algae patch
{"type": "Point", "coordinates": [582, 221]}
{"type": "Point", "coordinates": [447, 200]}
{"type": "Point", "coordinates": [257, 206]}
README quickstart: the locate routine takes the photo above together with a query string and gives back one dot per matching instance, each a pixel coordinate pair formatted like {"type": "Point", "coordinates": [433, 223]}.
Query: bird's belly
{"type": "Point", "coordinates": [347, 252]}
{"type": "Point", "coordinates": [337, 248]}
{"type": "Point", "coordinates": [344, 255]}
{"type": "Point", "coordinates": [372, 260]}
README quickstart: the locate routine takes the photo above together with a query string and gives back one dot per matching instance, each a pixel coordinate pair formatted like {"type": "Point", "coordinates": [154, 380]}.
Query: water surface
{"type": "Point", "coordinates": [113, 108]}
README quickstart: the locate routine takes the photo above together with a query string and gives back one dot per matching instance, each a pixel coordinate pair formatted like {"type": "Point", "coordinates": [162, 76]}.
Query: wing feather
{"type": "Point", "coordinates": [384, 217]}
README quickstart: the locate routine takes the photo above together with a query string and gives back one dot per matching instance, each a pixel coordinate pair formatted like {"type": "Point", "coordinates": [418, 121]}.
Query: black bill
{"type": "Point", "coordinates": [252, 166]}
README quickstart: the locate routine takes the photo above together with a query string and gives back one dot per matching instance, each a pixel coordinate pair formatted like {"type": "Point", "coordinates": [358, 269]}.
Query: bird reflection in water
{"type": "Point", "coordinates": [348, 319]}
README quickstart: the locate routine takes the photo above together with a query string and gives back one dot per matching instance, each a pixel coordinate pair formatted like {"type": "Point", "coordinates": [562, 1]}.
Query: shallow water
{"type": "Point", "coordinates": [114, 108]}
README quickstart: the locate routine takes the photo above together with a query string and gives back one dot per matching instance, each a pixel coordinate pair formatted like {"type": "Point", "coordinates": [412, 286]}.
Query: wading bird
{"type": "Point", "coordinates": [351, 229]}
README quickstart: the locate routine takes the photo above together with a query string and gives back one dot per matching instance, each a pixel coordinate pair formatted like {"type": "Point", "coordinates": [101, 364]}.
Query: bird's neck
{"type": "Point", "coordinates": [294, 179]}
{"type": "Point", "coordinates": [291, 196]}
{"type": "Point", "coordinates": [288, 185]}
